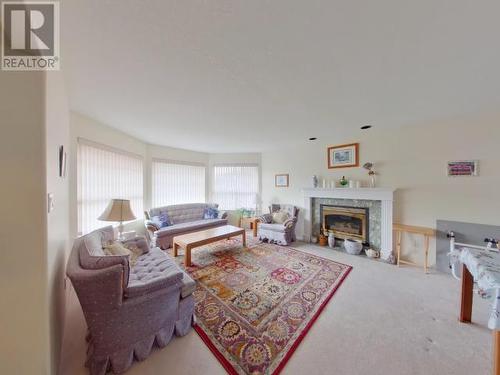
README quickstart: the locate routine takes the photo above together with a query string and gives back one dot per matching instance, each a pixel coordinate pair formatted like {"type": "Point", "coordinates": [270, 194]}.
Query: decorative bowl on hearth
{"type": "Point", "coordinates": [353, 247]}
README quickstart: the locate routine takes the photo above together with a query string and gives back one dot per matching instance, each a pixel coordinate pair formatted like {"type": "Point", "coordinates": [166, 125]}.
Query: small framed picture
{"type": "Point", "coordinates": [463, 168]}
{"type": "Point", "coordinates": [281, 180]}
{"type": "Point", "coordinates": [343, 156]}
{"type": "Point", "coordinates": [62, 162]}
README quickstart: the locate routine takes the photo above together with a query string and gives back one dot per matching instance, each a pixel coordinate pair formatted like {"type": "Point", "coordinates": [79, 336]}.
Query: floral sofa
{"type": "Point", "coordinates": [128, 308]}
{"type": "Point", "coordinates": [183, 218]}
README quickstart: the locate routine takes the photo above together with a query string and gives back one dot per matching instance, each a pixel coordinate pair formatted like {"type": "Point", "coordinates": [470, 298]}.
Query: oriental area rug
{"type": "Point", "coordinates": [255, 305]}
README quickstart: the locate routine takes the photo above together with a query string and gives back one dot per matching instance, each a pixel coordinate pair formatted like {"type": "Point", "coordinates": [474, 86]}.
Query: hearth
{"type": "Point", "coordinates": [346, 222]}
{"type": "Point", "coordinates": [378, 200]}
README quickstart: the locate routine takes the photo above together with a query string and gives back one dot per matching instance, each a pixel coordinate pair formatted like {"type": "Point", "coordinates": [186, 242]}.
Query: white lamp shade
{"type": "Point", "coordinates": [118, 210]}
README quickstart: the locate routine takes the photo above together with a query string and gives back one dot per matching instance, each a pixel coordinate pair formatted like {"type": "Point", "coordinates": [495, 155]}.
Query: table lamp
{"type": "Point", "coordinates": [118, 210]}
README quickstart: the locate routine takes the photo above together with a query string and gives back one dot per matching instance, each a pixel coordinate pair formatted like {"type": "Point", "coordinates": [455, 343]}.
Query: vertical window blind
{"type": "Point", "coordinates": [177, 183]}
{"type": "Point", "coordinates": [103, 174]}
{"type": "Point", "coordinates": [236, 186]}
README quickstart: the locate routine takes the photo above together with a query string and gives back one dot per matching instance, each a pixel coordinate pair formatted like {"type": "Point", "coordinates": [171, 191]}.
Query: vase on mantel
{"type": "Point", "coordinates": [372, 179]}
{"type": "Point", "coordinates": [331, 240]}
{"type": "Point", "coordinates": [315, 181]}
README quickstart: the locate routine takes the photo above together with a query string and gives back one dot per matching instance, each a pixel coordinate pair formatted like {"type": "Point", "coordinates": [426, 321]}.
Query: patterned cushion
{"type": "Point", "coordinates": [211, 213]}
{"type": "Point", "coordinates": [280, 217]}
{"type": "Point", "coordinates": [116, 248]}
{"type": "Point", "coordinates": [162, 220]}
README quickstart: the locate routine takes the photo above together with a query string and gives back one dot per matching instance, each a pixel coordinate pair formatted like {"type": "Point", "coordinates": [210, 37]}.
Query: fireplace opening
{"type": "Point", "coordinates": [345, 222]}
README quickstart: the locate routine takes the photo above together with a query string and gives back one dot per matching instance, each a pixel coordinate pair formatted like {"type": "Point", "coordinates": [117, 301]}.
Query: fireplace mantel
{"type": "Point", "coordinates": [373, 194]}
{"type": "Point", "coordinates": [384, 195]}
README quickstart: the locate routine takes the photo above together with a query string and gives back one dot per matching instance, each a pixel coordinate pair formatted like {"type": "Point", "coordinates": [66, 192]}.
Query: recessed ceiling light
{"type": "Point", "coordinates": [365, 127]}
{"type": "Point", "coordinates": [313, 138]}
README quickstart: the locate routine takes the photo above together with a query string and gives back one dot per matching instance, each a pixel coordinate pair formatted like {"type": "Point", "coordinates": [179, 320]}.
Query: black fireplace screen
{"type": "Point", "coordinates": [346, 222]}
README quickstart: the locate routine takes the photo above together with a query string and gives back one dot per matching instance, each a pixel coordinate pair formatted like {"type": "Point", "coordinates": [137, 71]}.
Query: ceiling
{"type": "Point", "coordinates": [242, 76]}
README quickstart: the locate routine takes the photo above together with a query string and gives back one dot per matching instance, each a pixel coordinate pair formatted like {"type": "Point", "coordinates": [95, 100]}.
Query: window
{"type": "Point", "coordinates": [105, 173]}
{"type": "Point", "coordinates": [236, 186]}
{"type": "Point", "coordinates": [177, 182]}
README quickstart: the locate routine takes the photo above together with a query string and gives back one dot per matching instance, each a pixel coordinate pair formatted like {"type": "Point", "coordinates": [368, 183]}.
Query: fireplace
{"type": "Point", "coordinates": [345, 222]}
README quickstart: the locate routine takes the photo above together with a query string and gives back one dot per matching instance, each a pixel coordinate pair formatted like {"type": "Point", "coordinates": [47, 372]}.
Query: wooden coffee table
{"type": "Point", "coordinates": [204, 237]}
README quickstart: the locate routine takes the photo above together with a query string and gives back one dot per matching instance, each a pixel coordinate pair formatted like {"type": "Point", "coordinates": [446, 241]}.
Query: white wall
{"type": "Point", "coordinates": [24, 321]}
{"type": "Point", "coordinates": [412, 160]}
{"type": "Point", "coordinates": [57, 134]}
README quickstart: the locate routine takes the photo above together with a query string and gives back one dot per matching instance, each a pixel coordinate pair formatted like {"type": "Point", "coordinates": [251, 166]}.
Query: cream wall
{"type": "Point", "coordinates": [56, 135]}
{"type": "Point", "coordinates": [411, 160]}
{"type": "Point", "coordinates": [24, 321]}
{"type": "Point", "coordinates": [85, 127]}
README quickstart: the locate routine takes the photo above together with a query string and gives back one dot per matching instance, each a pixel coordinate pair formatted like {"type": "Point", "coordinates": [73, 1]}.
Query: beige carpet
{"type": "Point", "coordinates": [385, 320]}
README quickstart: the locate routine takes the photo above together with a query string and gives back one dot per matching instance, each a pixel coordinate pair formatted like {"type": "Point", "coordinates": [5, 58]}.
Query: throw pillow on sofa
{"type": "Point", "coordinates": [280, 217]}
{"type": "Point", "coordinates": [117, 248]}
{"type": "Point", "coordinates": [161, 221]}
{"type": "Point", "coordinates": [210, 213]}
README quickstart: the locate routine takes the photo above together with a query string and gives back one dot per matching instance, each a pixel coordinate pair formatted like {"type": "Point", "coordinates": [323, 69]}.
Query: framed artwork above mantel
{"type": "Point", "coordinates": [343, 156]}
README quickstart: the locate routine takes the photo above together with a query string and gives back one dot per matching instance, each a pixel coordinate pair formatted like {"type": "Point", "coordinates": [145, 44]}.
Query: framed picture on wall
{"type": "Point", "coordinates": [463, 168]}
{"type": "Point", "coordinates": [62, 162]}
{"type": "Point", "coordinates": [343, 156]}
{"type": "Point", "coordinates": [281, 180]}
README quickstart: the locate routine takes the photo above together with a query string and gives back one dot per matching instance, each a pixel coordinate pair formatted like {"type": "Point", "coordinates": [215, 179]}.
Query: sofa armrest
{"type": "Point", "coordinates": [222, 214]}
{"type": "Point", "coordinates": [266, 218]}
{"type": "Point", "coordinates": [174, 279]}
{"type": "Point", "coordinates": [289, 223]}
{"type": "Point", "coordinates": [100, 289]}
{"type": "Point", "coordinates": [151, 226]}
{"type": "Point", "coordinates": [140, 242]}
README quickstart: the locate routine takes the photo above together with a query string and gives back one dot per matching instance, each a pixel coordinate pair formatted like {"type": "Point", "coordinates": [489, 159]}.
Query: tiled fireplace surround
{"type": "Point", "coordinates": [379, 201]}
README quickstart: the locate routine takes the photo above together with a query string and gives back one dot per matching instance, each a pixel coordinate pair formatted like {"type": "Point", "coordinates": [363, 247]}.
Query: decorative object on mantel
{"type": "Point", "coordinates": [281, 180]}
{"type": "Point", "coordinates": [370, 253]}
{"type": "Point", "coordinates": [353, 247]}
{"type": "Point", "coordinates": [369, 167]}
{"type": "Point", "coordinates": [331, 239]}
{"type": "Point", "coordinates": [353, 184]}
{"type": "Point", "coordinates": [343, 156]}
{"type": "Point", "coordinates": [323, 240]}
{"type": "Point", "coordinates": [315, 181]}
{"type": "Point", "coordinates": [343, 181]}
{"type": "Point", "coordinates": [463, 168]}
